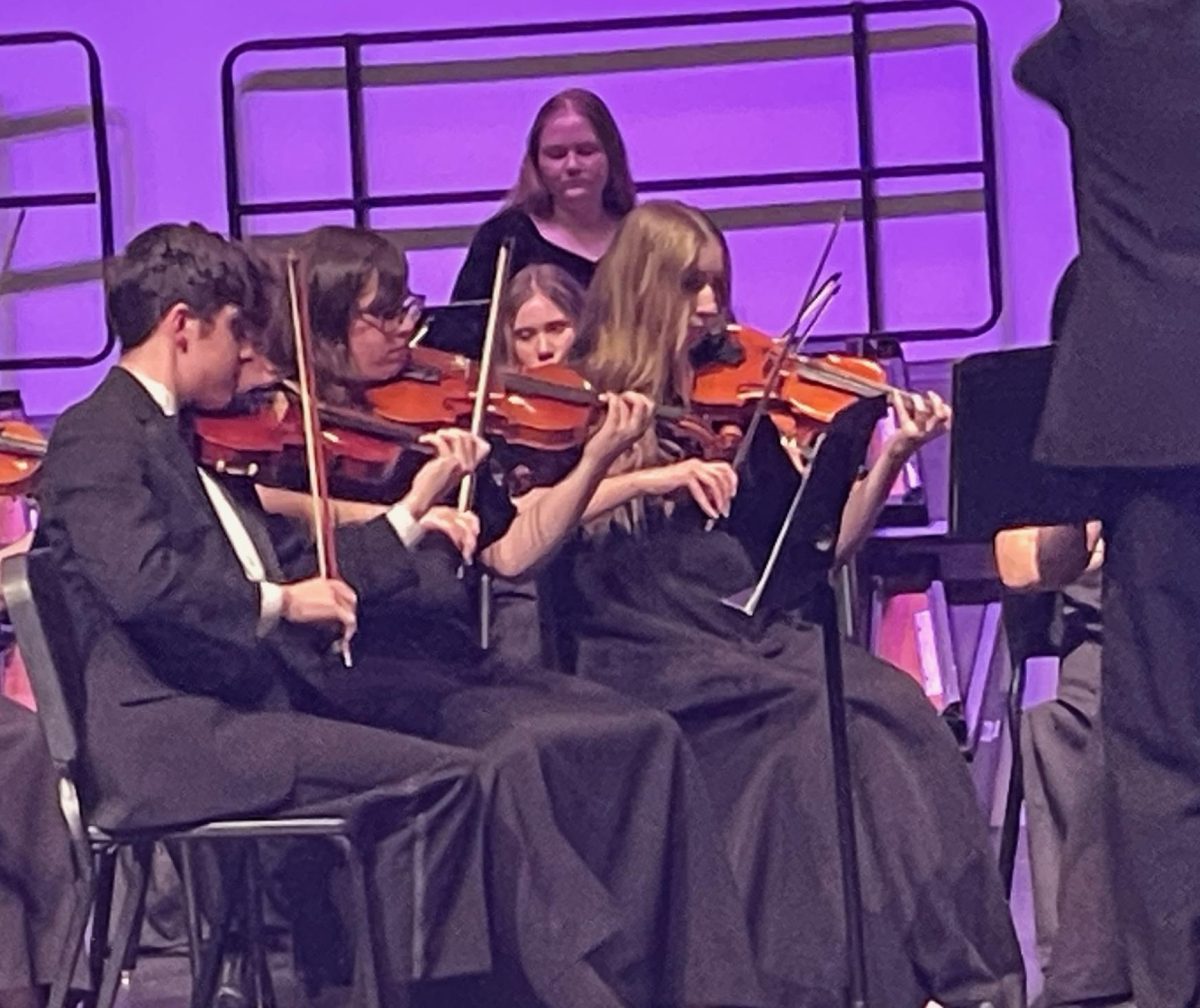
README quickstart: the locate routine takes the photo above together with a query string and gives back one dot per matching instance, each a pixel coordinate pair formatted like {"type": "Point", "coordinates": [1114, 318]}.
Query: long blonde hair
{"type": "Point", "coordinates": [722, 282]}
{"type": "Point", "coordinates": [553, 283]}
{"type": "Point", "coordinates": [632, 336]}
{"type": "Point", "coordinates": [635, 317]}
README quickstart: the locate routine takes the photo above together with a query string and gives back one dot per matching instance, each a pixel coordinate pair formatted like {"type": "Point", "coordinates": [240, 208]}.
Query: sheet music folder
{"type": "Point", "coordinates": [994, 481]}
{"type": "Point", "coordinates": [807, 532]}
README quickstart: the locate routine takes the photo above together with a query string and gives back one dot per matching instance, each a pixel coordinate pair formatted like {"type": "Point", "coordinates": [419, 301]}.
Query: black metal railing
{"type": "Point", "coordinates": [867, 173]}
{"type": "Point", "coordinates": [100, 197]}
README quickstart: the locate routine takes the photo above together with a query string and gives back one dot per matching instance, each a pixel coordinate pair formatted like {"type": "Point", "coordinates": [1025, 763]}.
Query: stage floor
{"type": "Point", "coordinates": [162, 980]}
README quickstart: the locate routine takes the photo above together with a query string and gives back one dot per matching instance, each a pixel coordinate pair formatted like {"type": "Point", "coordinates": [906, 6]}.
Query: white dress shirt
{"type": "Point", "coordinates": [407, 528]}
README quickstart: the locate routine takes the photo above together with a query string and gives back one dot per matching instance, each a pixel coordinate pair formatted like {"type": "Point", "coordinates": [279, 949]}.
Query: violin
{"type": "Point", "coordinates": [549, 411]}
{"type": "Point", "coordinates": [549, 408]}
{"type": "Point", "coordinates": [22, 448]}
{"type": "Point", "coordinates": [810, 391]}
{"type": "Point", "coordinates": [267, 445]}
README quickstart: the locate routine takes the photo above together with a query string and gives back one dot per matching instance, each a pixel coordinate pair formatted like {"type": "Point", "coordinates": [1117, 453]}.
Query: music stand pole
{"type": "Point", "coordinates": [843, 787]}
{"type": "Point", "coordinates": [812, 522]}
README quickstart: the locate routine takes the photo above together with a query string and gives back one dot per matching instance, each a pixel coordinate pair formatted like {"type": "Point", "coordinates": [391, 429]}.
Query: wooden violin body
{"type": "Point", "coordinates": [550, 409]}
{"type": "Point", "coordinates": [22, 448]}
{"type": "Point", "coordinates": [266, 443]}
{"type": "Point", "coordinates": [811, 391]}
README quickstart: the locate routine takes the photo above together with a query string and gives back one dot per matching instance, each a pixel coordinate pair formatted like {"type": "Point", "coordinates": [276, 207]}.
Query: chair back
{"type": "Point", "coordinates": [45, 629]}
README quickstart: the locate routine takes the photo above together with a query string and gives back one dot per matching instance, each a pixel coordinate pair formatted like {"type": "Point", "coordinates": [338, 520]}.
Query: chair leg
{"type": "Point", "coordinates": [365, 966]}
{"type": "Point", "coordinates": [124, 937]}
{"type": "Point", "coordinates": [256, 951]}
{"type": "Point", "coordinates": [204, 984]}
{"type": "Point", "coordinates": [1010, 828]}
{"type": "Point", "coordinates": [106, 880]}
{"type": "Point", "coordinates": [191, 909]}
{"type": "Point", "coordinates": [68, 959]}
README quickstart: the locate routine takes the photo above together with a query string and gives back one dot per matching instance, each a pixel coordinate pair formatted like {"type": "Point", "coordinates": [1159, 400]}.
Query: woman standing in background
{"type": "Point", "coordinates": [573, 189]}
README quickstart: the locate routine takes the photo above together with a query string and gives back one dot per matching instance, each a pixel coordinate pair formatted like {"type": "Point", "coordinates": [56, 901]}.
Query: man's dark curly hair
{"type": "Point", "coordinates": [171, 264]}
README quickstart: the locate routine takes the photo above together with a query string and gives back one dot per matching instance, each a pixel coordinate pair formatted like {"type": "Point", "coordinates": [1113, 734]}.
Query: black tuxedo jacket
{"type": "Point", "coordinates": [187, 707]}
{"type": "Point", "coordinates": [1125, 75]}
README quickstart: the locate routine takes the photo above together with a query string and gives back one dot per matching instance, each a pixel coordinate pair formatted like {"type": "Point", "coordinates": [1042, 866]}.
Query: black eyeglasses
{"type": "Point", "coordinates": [411, 310]}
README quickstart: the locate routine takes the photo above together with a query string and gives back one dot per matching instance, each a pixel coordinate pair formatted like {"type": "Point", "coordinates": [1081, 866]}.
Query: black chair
{"type": "Point", "coordinates": [44, 629]}
{"type": "Point", "coordinates": [1032, 629]}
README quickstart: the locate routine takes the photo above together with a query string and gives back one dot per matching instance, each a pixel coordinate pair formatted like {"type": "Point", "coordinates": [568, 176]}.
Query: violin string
{"type": "Point", "coordinates": [818, 371]}
{"type": "Point", "coordinates": [811, 315]}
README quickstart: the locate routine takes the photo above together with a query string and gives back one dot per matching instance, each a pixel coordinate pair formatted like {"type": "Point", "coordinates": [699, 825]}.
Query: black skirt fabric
{"type": "Point", "coordinates": [749, 695]}
{"type": "Point", "coordinates": [607, 878]}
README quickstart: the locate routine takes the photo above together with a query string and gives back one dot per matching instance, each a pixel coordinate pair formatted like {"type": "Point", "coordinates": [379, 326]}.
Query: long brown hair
{"type": "Point", "coordinates": [530, 193]}
{"type": "Point", "coordinates": [723, 282]}
{"type": "Point", "coordinates": [553, 283]}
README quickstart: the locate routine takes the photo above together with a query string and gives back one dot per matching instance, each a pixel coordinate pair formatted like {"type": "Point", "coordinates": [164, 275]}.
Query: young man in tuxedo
{"type": "Point", "coordinates": [194, 654]}
{"type": "Point", "coordinates": [1123, 74]}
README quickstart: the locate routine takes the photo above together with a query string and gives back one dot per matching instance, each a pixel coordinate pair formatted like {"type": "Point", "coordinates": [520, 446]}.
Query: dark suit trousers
{"type": "Point", "coordinates": [1079, 942]}
{"type": "Point", "coordinates": [421, 804]}
{"type": "Point", "coordinates": [1151, 723]}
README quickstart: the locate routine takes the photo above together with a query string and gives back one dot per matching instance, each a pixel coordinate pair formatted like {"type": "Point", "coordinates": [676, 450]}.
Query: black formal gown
{"type": "Point", "coordinates": [35, 855]}
{"type": "Point", "coordinates": [461, 330]}
{"type": "Point", "coordinates": [604, 788]}
{"type": "Point", "coordinates": [644, 613]}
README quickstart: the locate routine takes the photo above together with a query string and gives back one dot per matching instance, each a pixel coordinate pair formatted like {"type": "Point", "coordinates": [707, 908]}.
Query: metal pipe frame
{"type": "Point", "coordinates": [101, 197]}
{"type": "Point", "coordinates": [867, 173]}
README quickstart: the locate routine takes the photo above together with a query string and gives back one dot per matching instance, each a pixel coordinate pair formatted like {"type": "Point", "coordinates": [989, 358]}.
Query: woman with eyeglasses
{"type": "Point", "coordinates": [598, 788]}
{"type": "Point", "coordinates": [573, 189]}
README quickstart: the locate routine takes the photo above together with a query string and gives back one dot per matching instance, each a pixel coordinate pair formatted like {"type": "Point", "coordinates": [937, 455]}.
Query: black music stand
{"type": "Point", "coordinates": [994, 481]}
{"type": "Point", "coordinates": [808, 537]}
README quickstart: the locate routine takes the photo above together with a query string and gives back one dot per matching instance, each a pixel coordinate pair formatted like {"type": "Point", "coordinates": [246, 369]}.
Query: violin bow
{"type": "Point", "coordinates": [811, 308]}
{"type": "Point", "coordinates": [314, 442]}
{"type": "Point", "coordinates": [487, 360]}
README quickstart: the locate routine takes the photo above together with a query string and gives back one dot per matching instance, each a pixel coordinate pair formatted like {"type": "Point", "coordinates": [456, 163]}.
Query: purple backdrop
{"type": "Point", "coordinates": [161, 62]}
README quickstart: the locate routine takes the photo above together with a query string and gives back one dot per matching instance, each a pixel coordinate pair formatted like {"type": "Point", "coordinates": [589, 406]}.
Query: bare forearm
{"type": "Point", "coordinates": [867, 499]}
{"type": "Point", "coordinates": [542, 526]}
{"type": "Point", "coordinates": [614, 491]}
{"type": "Point", "coordinates": [1042, 558]}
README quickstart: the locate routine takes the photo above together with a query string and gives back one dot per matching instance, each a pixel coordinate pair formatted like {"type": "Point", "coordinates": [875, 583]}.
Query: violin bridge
{"type": "Point", "coordinates": [223, 468]}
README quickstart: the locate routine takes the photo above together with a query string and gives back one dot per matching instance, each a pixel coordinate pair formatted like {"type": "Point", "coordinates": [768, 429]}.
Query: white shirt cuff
{"type": "Point", "coordinates": [408, 529]}
{"type": "Point", "coordinates": [270, 606]}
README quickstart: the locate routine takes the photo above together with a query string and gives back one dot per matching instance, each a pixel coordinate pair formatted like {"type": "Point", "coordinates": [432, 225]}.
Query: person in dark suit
{"type": "Point", "coordinates": [1080, 948]}
{"type": "Point", "coordinates": [190, 664]}
{"type": "Point", "coordinates": [1123, 76]}
{"type": "Point", "coordinates": [216, 695]}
